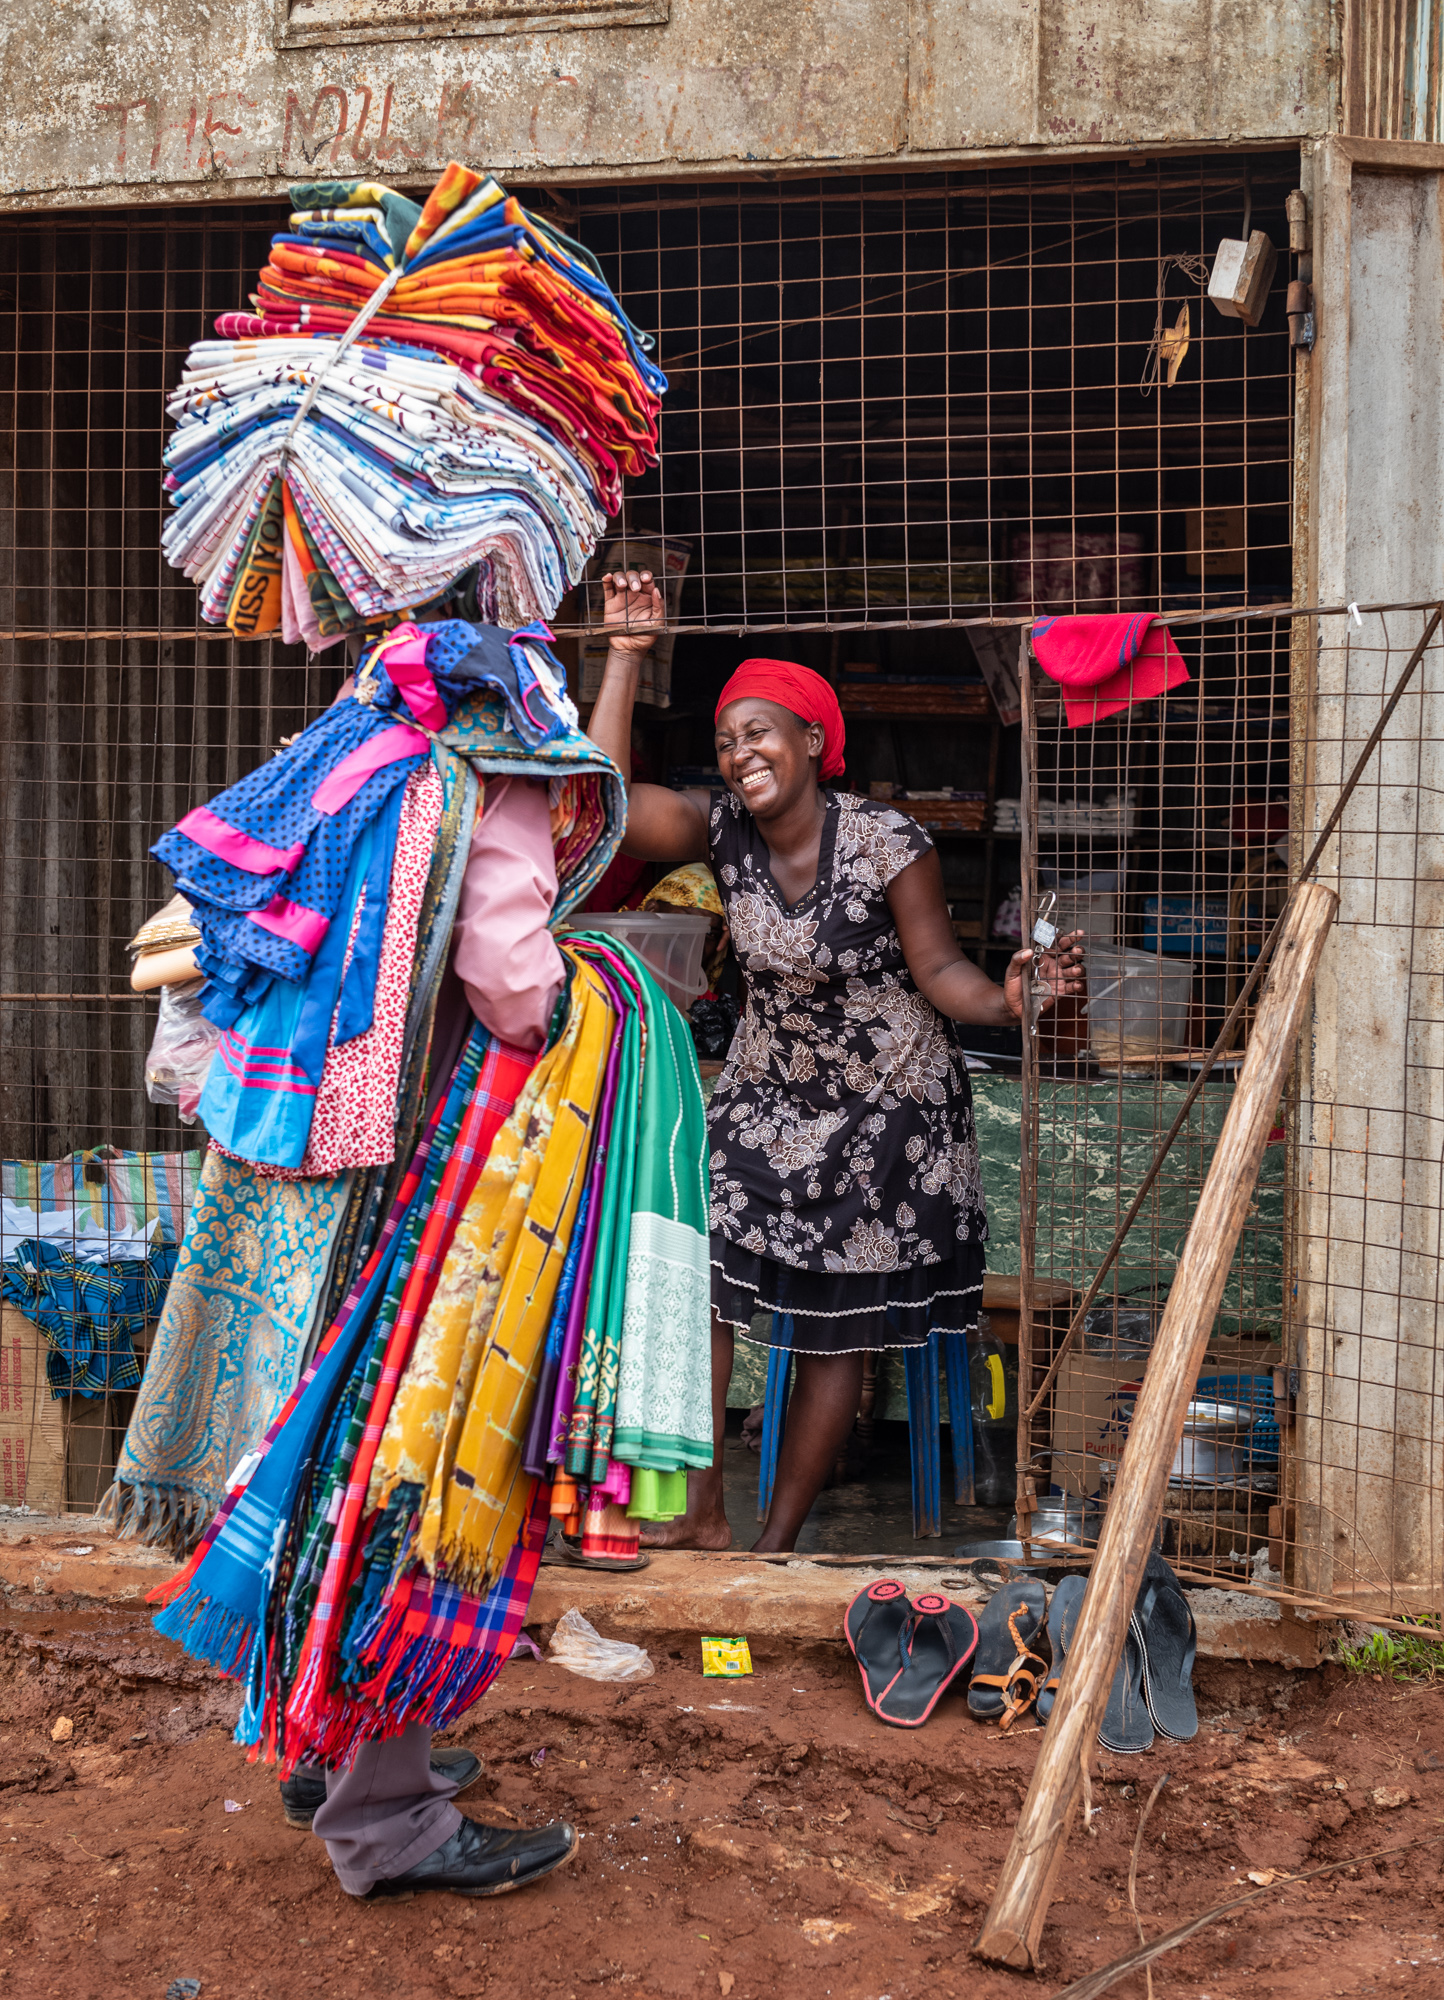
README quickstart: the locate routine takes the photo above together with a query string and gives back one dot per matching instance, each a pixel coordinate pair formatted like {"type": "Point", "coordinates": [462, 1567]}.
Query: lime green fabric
{"type": "Point", "coordinates": [657, 1496]}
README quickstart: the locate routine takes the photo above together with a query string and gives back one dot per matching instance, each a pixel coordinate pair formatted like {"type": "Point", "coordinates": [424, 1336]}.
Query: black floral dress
{"type": "Point", "coordinates": [846, 1190]}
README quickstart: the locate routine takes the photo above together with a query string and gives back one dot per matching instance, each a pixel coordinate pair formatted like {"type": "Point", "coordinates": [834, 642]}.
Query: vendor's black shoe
{"type": "Point", "coordinates": [304, 1793]}
{"type": "Point", "coordinates": [487, 1860]}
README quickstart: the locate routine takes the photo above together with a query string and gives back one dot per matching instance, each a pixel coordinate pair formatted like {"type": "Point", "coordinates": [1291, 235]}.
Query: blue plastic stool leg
{"type": "Point", "coordinates": [774, 1409]}
{"type": "Point", "coordinates": [960, 1415]}
{"type": "Point", "coordinates": [924, 1439]}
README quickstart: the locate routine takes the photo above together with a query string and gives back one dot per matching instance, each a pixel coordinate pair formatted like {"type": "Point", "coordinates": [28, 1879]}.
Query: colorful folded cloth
{"type": "Point", "coordinates": [633, 1380]}
{"type": "Point", "coordinates": [265, 864]}
{"type": "Point", "coordinates": [483, 419]}
{"type": "Point", "coordinates": [88, 1312]}
{"type": "Point", "coordinates": [1106, 663]}
{"type": "Point", "coordinates": [373, 1561]}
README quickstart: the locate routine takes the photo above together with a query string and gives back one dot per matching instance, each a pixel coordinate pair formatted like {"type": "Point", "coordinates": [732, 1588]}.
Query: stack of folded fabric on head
{"type": "Point", "coordinates": [421, 395]}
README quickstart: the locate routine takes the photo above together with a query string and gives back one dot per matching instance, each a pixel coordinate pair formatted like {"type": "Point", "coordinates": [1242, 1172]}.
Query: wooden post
{"type": "Point", "coordinates": [1014, 1922]}
{"type": "Point", "coordinates": [1025, 1501]}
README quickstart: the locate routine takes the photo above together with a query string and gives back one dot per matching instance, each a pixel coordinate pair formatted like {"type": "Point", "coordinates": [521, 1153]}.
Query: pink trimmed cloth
{"type": "Point", "coordinates": [354, 1123]}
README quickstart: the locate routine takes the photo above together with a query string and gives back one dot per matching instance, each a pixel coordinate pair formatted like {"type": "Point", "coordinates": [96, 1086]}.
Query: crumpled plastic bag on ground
{"type": "Point", "coordinates": [581, 1649]}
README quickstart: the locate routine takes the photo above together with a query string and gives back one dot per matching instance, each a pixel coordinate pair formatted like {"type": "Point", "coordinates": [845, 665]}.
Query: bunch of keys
{"type": "Point", "coordinates": [1045, 936]}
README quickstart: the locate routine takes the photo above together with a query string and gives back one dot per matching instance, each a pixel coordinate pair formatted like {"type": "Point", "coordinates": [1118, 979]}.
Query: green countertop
{"type": "Point", "coordinates": [1096, 1141]}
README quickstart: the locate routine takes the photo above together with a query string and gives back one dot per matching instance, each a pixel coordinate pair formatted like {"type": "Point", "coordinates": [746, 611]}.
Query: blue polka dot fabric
{"type": "Point", "coordinates": [276, 806]}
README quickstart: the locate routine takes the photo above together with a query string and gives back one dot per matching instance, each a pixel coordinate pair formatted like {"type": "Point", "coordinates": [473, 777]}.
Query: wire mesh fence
{"type": "Point", "coordinates": [913, 399]}
{"type": "Point", "coordinates": [1170, 835]}
{"type": "Point", "coordinates": [899, 406]}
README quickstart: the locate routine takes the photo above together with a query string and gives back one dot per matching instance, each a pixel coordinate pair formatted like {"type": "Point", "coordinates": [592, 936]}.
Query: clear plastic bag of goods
{"type": "Point", "coordinates": [181, 1051]}
{"type": "Point", "coordinates": [581, 1649]}
{"type": "Point", "coordinates": [1137, 1007]}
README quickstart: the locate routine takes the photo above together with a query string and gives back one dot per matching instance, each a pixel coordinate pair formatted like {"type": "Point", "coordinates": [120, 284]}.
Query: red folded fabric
{"type": "Point", "coordinates": [1103, 664]}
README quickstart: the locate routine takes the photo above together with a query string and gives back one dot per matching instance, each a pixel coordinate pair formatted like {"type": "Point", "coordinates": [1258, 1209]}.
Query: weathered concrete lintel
{"type": "Point", "coordinates": [52, 201]}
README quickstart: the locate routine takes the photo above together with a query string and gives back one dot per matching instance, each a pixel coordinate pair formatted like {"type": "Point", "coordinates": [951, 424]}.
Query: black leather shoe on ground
{"type": "Point", "coordinates": [487, 1860]}
{"type": "Point", "coordinates": [304, 1793]}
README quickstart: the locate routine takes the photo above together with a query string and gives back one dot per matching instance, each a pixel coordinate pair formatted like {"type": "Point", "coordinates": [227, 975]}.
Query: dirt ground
{"type": "Point", "coordinates": [741, 1837]}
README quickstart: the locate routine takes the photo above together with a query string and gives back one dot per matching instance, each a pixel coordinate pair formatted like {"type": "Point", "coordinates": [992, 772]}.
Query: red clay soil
{"type": "Point", "coordinates": [742, 1838]}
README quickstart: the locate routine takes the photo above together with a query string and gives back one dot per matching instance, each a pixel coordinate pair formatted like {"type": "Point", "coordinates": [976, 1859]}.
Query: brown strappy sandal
{"type": "Point", "coordinates": [1003, 1688]}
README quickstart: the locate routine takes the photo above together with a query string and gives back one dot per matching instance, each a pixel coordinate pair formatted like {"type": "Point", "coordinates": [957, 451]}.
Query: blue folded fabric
{"type": "Point", "coordinates": [265, 864]}
{"type": "Point", "coordinates": [89, 1313]}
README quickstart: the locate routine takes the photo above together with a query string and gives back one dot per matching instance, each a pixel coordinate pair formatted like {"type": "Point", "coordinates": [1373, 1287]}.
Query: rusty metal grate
{"type": "Point", "coordinates": [1172, 832]}
{"type": "Point", "coordinates": [906, 400]}
{"type": "Point", "coordinates": [899, 404]}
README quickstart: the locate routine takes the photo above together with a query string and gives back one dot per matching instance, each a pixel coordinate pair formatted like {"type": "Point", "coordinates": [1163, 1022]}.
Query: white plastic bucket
{"type": "Point", "coordinates": [670, 943]}
{"type": "Point", "coordinates": [1137, 1006]}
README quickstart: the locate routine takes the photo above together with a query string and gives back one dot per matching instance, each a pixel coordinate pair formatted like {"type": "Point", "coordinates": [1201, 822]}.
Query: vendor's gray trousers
{"type": "Point", "coordinates": [389, 1811]}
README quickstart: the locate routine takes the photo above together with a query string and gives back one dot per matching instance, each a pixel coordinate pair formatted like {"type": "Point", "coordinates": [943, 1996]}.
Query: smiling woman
{"type": "Point", "coordinates": [846, 1195]}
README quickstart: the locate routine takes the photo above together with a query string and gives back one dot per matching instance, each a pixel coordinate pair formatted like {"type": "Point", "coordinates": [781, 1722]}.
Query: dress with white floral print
{"type": "Point", "coordinates": [842, 1124]}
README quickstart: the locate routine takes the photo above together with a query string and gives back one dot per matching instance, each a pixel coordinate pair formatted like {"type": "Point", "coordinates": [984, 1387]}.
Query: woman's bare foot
{"type": "Point", "coordinates": [704, 1529]}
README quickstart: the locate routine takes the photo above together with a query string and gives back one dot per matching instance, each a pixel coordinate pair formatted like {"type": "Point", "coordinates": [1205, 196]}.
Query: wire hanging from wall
{"type": "Point", "coordinates": [1170, 344]}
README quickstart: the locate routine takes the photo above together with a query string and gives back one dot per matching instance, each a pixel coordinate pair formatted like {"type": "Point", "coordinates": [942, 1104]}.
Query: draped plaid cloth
{"type": "Point", "coordinates": [311, 1710]}
{"type": "Point", "coordinates": [88, 1313]}
{"type": "Point", "coordinates": [439, 1647]}
{"type": "Point", "coordinates": [217, 1605]}
{"type": "Point", "coordinates": [458, 1426]}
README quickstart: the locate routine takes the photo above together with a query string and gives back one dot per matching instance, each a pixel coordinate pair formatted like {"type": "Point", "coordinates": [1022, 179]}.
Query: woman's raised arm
{"type": "Point", "coordinates": [662, 825]}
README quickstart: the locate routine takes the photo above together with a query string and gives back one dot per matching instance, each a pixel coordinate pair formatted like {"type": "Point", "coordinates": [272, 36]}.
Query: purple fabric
{"type": "Point", "coordinates": [617, 1486]}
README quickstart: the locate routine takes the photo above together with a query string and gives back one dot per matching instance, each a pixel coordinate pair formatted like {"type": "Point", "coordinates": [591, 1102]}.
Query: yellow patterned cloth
{"type": "Point", "coordinates": [691, 887]}
{"type": "Point", "coordinates": [458, 1425]}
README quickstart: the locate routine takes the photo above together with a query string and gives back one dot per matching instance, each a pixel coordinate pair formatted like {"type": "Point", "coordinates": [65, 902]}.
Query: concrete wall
{"type": "Point", "coordinates": [136, 100]}
{"type": "Point", "coordinates": [1370, 1435]}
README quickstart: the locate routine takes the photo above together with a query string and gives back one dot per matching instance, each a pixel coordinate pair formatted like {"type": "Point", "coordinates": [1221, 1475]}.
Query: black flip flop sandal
{"type": "Point", "coordinates": [935, 1645]}
{"type": "Point", "coordinates": [1004, 1679]}
{"type": "Point", "coordinates": [1127, 1728]}
{"type": "Point", "coordinates": [1063, 1612]}
{"type": "Point", "coordinates": [1170, 1645]}
{"type": "Point", "coordinates": [873, 1623]}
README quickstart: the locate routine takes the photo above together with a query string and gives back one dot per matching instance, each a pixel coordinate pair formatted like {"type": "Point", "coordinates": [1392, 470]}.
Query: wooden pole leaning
{"type": "Point", "coordinates": [1014, 1923]}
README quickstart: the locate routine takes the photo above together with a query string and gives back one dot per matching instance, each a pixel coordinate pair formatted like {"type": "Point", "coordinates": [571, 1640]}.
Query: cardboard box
{"type": "Point", "coordinates": [32, 1431]}
{"type": "Point", "coordinates": [1083, 1411]}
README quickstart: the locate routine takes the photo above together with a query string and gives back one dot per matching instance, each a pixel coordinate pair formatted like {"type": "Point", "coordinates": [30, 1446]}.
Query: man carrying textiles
{"type": "Point", "coordinates": [388, 1820]}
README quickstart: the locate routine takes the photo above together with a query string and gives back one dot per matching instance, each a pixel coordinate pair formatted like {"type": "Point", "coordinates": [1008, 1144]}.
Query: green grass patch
{"type": "Point", "coordinates": [1415, 1655]}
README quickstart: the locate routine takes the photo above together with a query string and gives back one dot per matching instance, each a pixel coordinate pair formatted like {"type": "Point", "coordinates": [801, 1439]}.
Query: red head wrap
{"type": "Point", "coordinates": [796, 688]}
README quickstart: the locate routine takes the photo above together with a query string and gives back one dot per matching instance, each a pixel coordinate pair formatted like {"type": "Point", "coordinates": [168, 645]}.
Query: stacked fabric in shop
{"type": "Point", "coordinates": [421, 395]}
